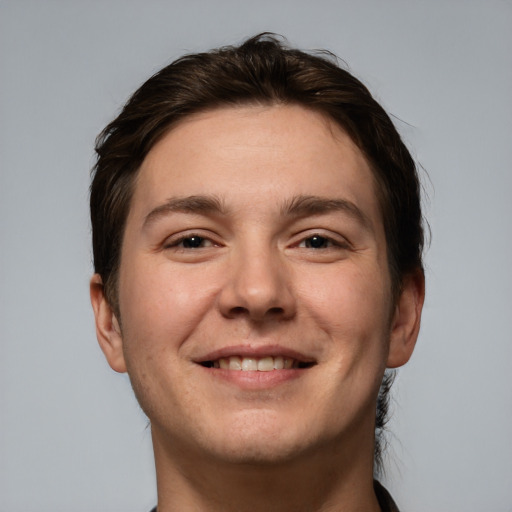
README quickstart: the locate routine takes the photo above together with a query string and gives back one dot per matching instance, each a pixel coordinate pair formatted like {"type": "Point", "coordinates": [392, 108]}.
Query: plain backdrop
{"type": "Point", "coordinates": [72, 437]}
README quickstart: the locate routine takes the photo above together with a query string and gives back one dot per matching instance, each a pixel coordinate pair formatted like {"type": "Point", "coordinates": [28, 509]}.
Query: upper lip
{"type": "Point", "coordinates": [255, 351]}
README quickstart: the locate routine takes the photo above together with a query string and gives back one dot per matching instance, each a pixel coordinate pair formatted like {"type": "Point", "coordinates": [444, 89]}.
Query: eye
{"type": "Point", "coordinates": [316, 242]}
{"type": "Point", "coordinates": [194, 242]}
{"type": "Point", "coordinates": [190, 242]}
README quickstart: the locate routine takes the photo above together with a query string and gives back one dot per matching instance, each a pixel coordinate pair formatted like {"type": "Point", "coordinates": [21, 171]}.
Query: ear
{"type": "Point", "coordinates": [406, 321]}
{"type": "Point", "coordinates": [108, 331]}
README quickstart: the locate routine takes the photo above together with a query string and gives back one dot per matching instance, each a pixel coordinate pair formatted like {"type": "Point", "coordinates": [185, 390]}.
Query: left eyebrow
{"type": "Point", "coordinates": [191, 204]}
{"type": "Point", "coordinates": [305, 206]}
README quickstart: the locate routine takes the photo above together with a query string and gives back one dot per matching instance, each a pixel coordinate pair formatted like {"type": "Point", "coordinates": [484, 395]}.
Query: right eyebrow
{"type": "Point", "coordinates": [198, 204]}
{"type": "Point", "coordinates": [305, 206]}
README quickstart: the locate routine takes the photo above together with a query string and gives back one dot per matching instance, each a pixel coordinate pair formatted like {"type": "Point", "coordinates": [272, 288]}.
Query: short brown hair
{"type": "Point", "coordinates": [263, 70]}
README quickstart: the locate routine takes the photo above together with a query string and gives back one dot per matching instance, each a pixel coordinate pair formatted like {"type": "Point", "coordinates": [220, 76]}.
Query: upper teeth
{"type": "Point", "coordinates": [253, 364]}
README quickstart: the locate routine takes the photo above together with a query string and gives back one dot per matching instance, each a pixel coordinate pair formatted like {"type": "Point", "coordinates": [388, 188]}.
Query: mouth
{"type": "Point", "coordinates": [257, 364]}
{"type": "Point", "coordinates": [253, 368]}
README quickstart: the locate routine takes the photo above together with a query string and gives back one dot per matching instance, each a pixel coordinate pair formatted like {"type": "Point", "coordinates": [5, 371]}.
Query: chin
{"type": "Point", "coordinates": [257, 442]}
{"type": "Point", "coordinates": [260, 453]}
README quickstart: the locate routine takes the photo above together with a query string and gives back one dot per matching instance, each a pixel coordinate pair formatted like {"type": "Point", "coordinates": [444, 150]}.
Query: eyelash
{"type": "Point", "coordinates": [325, 242]}
{"type": "Point", "coordinates": [182, 240]}
{"type": "Point", "coordinates": [332, 243]}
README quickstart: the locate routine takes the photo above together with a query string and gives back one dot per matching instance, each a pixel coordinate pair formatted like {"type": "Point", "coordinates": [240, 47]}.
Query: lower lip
{"type": "Point", "coordinates": [256, 380]}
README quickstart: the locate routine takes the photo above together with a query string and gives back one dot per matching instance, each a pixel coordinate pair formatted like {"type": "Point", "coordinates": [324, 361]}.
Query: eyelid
{"type": "Point", "coordinates": [173, 241]}
{"type": "Point", "coordinates": [338, 240]}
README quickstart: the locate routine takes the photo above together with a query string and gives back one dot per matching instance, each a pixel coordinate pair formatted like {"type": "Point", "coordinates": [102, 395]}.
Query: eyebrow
{"type": "Point", "coordinates": [306, 206]}
{"type": "Point", "coordinates": [298, 206]}
{"type": "Point", "coordinates": [191, 204]}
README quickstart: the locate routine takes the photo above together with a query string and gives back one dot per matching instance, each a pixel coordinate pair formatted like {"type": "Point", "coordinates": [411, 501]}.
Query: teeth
{"type": "Point", "coordinates": [253, 364]}
{"type": "Point", "coordinates": [278, 363]}
{"type": "Point", "coordinates": [235, 363]}
{"type": "Point", "coordinates": [266, 364]}
{"type": "Point", "coordinates": [249, 364]}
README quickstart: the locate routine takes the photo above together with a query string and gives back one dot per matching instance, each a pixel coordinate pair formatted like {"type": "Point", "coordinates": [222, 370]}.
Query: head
{"type": "Point", "coordinates": [261, 73]}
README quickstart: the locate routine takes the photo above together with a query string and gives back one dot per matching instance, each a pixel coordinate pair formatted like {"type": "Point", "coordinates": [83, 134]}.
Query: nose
{"type": "Point", "coordinates": [258, 287]}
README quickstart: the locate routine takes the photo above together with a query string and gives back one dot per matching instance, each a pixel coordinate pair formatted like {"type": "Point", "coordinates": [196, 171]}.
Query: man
{"type": "Point", "coordinates": [257, 243]}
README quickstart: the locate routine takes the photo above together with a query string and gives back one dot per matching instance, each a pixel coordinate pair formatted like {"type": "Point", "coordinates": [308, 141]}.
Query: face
{"type": "Point", "coordinates": [254, 296]}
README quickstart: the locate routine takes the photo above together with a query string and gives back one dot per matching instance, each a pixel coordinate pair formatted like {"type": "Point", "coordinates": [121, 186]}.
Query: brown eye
{"type": "Point", "coordinates": [190, 242]}
{"type": "Point", "coordinates": [193, 242]}
{"type": "Point", "coordinates": [317, 242]}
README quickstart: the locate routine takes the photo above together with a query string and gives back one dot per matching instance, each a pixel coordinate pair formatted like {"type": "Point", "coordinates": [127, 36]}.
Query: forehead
{"type": "Point", "coordinates": [287, 150]}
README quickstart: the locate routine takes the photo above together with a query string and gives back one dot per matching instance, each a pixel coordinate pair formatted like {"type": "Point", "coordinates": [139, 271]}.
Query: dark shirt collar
{"type": "Point", "coordinates": [385, 500]}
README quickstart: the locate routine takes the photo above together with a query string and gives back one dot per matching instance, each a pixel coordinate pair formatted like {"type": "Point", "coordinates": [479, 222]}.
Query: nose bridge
{"type": "Point", "coordinates": [257, 284]}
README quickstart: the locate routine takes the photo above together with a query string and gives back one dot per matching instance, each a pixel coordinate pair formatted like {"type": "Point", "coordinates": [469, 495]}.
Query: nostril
{"type": "Point", "coordinates": [257, 313]}
{"type": "Point", "coordinates": [254, 312]}
{"type": "Point", "coordinates": [238, 310]}
{"type": "Point", "coordinates": [275, 311]}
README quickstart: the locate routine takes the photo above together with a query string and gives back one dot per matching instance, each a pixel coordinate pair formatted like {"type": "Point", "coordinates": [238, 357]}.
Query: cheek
{"type": "Point", "coordinates": [352, 306]}
{"type": "Point", "coordinates": [161, 304]}
{"type": "Point", "coordinates": [348, 293]}
{"type": "Point", "coordinates": [160, 308]}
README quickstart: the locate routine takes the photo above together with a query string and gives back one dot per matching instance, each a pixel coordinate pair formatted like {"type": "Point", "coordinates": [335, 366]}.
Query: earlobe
{"type": "Point", "coordinates": [108, 330]}
{"type": "Point", "coordinates": [406, 321]}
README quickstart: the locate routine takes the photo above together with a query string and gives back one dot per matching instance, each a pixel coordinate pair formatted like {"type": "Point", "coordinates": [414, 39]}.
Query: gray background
{"type": "Point", "coordinates": [72, 438]}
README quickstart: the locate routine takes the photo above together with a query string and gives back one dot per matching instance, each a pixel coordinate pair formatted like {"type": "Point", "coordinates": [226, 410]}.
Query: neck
{"type": "Point", "coordinates": [338, 479]}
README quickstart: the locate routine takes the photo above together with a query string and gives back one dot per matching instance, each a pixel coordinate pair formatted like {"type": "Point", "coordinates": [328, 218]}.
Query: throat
{"type": "Point", "coordinates": [305, 484]}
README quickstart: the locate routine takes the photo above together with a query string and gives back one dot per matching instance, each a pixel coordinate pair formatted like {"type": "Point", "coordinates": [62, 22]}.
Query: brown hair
{"type": "Point", "coordinates": [262, 70]}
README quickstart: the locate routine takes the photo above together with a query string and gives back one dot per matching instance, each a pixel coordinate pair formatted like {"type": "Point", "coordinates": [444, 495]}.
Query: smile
{"type": "Point", "coordinates": [256, 364]}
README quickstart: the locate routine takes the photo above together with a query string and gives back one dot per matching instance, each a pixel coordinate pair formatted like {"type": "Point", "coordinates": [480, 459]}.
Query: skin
{"type": "Point", "coordinates": [250, 266]}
